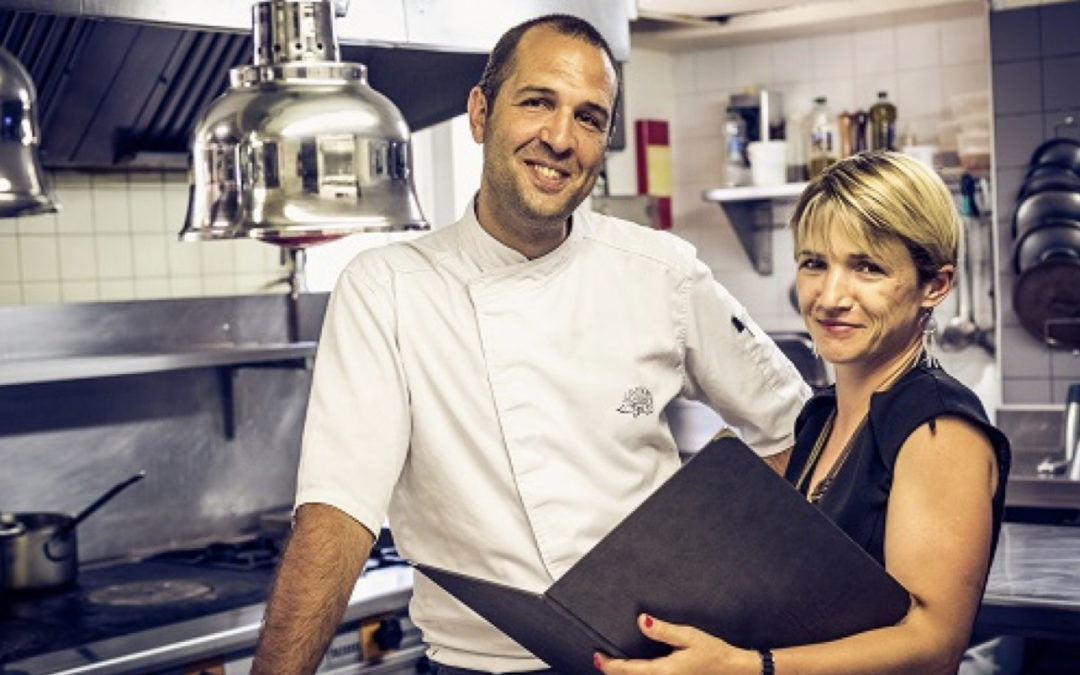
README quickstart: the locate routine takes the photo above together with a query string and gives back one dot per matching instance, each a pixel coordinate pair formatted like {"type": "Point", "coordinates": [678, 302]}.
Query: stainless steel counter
{"type": "Point", "coordinates": [378, 591]}
{"type": "Point", "coordinates": [1042, 492]}
{"type": "Point", "coordinates": [1034, 584]}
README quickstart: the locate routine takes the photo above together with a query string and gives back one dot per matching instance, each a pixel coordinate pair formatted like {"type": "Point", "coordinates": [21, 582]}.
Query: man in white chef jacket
{"type": "Point", "coordinates": [497, 387]}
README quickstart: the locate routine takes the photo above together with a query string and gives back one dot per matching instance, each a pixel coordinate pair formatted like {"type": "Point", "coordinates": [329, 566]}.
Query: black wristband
{"type": "Point", "coordinates": [767, 667]}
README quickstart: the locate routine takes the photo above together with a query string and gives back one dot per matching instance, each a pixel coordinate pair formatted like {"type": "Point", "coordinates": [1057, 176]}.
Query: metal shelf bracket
{"type": "Point", "coordinates": [227, 376]}
{"type": "Point", "coordinates": [750, 212]}
{"type": "Point", "coordinates": [753, 223]}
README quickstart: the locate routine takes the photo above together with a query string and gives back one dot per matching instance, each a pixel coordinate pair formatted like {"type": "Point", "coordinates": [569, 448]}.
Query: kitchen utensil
{"type": "Point", "coordinates": [961, 330]}
{"type": "Point", "coordinates": [1047, 177]}
{"type": "Point", "coordinates": [1072, 430]}
{"type": "Point", "coordinates": [973, 255]}
{"type": "Point", "coordinates": [98, 503]}
{"type": "Point", "coordinates": [1062, 152]}
{"type": "Point", "coordinates": [39, 550]}
{"type": "Point", "coordinates": [1060, 239]}
{"type": "Point", "coordinates": [1046, 298]}
{"type": "Point", "coordinates": [1045, 208]}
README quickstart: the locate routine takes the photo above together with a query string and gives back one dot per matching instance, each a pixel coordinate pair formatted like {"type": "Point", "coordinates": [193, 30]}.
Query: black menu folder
{"type": "Point", "coordinates": [726, 545]}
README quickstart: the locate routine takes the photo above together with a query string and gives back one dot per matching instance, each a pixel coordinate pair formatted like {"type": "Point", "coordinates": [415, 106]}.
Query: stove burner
{"type": "Point", "coordinates": [146, 593]}
{"type": "Point", "coordinates": [257, 553]}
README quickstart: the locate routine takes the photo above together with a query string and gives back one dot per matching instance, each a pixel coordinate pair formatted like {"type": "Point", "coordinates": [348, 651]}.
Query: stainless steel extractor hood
{"type": "Point", "coordinates": [121, 83]}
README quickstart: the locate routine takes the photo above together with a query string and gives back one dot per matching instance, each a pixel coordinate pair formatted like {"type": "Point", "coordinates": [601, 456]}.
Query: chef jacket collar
{"type": "Point", "coordinates": [489, 254]}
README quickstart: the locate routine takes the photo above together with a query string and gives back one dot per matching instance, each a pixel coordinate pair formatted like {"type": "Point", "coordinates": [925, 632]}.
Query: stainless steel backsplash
{"type": "Point", "coordinates": [63, 443]}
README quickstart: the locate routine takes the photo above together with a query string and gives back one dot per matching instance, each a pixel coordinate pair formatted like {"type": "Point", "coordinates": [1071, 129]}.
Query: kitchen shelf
{"type": "Point", "coordinates": [227, 359]}
{"type": "Point", "coordinates": [754, 192]}
{"type": "Point", "coordinates": [82, 367]}
{"type": "Point", "coordinates": [750, 212]}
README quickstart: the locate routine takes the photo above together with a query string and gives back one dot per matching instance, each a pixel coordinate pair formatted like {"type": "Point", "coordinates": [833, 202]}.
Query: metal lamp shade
{"type": "Point", "coordinates": [300, 152]}
{"type": "Point", "coordinates": [23, 189]}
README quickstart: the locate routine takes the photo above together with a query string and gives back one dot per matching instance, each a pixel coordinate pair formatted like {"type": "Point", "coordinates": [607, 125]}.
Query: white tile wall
{"type": "Point", "coordinates": [792, 61]}
{"type": "Point", "coordinates": [712, 70]}
{"type": "Point", "coordinates": [833, 56]}
{"type": "Point", "coordinates": [115, 238]}
{"type": "Point", "coordinates": [877, 51]}
{"type": "Point", "coordinates": [751, 64]}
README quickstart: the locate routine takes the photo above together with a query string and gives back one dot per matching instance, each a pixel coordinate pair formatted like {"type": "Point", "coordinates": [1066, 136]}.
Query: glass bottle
{"type": "Point", "coordinates": [795, 133]}
{"type": "Point", "coordinates": [822, 137]}
{"type": "Point", "coordinates": [883, 123]}
{"type": "Point", "coordinates": [845, 126]}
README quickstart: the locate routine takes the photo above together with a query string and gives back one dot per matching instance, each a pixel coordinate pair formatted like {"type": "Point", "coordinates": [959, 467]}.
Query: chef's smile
{"type": "Point", "coordinates": [549, 177]}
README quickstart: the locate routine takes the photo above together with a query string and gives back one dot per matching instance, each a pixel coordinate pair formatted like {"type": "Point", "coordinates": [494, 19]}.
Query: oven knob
{"type": "Point", "coordinates": [389, 634]}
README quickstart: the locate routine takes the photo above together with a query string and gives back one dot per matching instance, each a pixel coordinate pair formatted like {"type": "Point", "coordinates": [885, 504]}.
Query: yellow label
{"type": "Point", "coordinates": [658, 159]}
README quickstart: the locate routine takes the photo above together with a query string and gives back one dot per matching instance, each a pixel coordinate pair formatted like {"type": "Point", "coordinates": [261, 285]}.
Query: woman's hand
{"type": "Point", "coordinates": [693, 652]}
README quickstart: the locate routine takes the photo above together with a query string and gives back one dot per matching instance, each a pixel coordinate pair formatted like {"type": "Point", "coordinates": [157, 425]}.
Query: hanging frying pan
{"type": "Point", "coordinates": [1046, 208]}
{"type": "Point", "coordinates": [1057, 239]}
{"type": "Point", "coordinates": [1046, 298]}
{"type": "Point", "coordinates": [1062, 152]}
{"type": "Point", "coordinates": [1046, 178]}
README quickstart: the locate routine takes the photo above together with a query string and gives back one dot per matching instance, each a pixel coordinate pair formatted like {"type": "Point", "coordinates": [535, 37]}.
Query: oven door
{"type": "Point", "coordinates": [385, 644]}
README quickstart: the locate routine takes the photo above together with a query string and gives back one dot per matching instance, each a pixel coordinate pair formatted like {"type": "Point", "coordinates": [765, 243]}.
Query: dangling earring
{"type": "Point", "coordinates": [813, 349]}
{"type": "Point", "coordinates": [929, 328]}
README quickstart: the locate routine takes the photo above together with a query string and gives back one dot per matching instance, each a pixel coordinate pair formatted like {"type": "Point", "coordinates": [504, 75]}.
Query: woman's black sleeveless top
{"type": "Point", "coordinates": [858, 497]}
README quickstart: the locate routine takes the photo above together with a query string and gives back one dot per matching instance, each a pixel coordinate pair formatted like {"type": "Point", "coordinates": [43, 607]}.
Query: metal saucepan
{"type": "Point", "coordinates": [39, 551]}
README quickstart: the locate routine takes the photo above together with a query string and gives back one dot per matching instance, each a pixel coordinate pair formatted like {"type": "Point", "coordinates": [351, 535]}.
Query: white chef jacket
{"type": "Point", "coordinates": [506, 413]}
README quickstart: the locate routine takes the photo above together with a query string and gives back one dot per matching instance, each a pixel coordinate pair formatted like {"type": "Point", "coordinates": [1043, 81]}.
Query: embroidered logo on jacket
{"type": "Point", "coordinates": [637, 401]}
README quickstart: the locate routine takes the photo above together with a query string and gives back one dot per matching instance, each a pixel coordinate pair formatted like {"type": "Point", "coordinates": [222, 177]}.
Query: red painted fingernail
{"type": "Point", "coordinates": [596, 661]}
{"type": "Point", "coordinates": [648, 621]}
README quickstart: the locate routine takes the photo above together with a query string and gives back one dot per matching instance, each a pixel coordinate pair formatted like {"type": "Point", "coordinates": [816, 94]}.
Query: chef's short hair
{"type": "Point", "coordinates": [501, 61]}
{"type": "Point", "coordinates": [875, 196]}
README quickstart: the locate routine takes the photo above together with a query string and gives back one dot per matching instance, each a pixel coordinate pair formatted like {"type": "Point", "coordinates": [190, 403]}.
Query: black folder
{"type": "Point", "coordinates": [725, 545]}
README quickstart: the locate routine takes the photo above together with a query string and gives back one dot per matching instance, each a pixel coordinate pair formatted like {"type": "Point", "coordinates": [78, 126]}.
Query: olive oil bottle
{"type": "Point", "coordinates": [883, 123]}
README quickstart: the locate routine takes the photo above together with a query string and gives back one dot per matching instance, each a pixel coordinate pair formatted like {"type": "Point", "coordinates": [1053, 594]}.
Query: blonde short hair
{"type": "Point", "coordinates": [875, 196]}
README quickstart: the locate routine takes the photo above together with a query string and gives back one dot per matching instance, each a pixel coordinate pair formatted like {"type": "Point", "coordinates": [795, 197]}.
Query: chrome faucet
{"type": "Point", "coordinates": [1070, 464]}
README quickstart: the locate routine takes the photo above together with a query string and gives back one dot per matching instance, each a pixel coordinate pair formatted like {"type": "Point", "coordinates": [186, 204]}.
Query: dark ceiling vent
{"type": "Point", "coordinates": [123, 94]}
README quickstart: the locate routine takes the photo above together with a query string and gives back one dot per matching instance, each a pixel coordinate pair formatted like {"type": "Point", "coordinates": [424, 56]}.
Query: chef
{"type": "Point", "coordinates": [497, 388]}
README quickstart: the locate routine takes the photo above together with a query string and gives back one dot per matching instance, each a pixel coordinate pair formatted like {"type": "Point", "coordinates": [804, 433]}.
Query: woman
{"type": "Point", "coordinates": [899, 454]}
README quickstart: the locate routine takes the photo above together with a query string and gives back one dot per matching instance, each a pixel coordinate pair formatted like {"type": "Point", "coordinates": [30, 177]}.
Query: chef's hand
{"type": "Point", "coordinates": [694, 651]}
